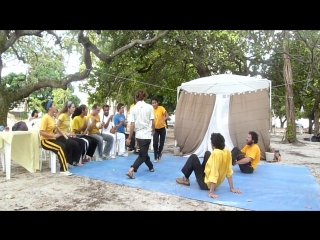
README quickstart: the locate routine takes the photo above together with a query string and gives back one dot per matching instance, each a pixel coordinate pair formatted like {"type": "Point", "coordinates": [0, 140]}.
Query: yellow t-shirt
{"type": "Point", "coordinates": [77, 123]}
{"type": "Point", "coordinates": [47, 124]}
{"type": "Point", "coordinates": [218, 167]}
{"type": "Point", "coordinates": [159, 114]}
{"type": "Point", "coordinates": [65, 122]}
{"type": "Point", "coordinates": [252, 151]}
{"type": "Point", "coordinates": [130, 107]}
{"type": "Point", "coordinates": [94, 129]}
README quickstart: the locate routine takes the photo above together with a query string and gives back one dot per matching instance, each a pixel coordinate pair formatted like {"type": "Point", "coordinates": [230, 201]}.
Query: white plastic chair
{"type": "Point", "coordinates": [52, 157]}
{"type": "Point", "coordinates": [2, 159]}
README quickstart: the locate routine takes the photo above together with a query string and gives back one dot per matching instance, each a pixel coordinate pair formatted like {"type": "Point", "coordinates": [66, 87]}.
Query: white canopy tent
{"type": "Point", "coordinates": [222, 86]}
{"type": "Point", "coordinates": [225, 84]}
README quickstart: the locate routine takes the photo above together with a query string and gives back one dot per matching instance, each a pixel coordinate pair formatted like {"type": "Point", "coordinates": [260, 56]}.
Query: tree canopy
{"type": "Point", "coordinates": [116, 63]}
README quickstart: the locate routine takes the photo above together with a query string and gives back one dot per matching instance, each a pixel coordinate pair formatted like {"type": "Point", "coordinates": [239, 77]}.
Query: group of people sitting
{"type": "Point", "coordinates": [73, 134]}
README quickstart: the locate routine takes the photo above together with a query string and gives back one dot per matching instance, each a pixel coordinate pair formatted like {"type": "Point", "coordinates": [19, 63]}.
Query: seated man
{"type": "Point", "coordinates": [249, 156]}
{"type": "Point", "coordinates": [216, 166]}
{"type": "Point", "coordinates": [120, 123]}
{"type": "Point", "coordinates": [103, 152]}
{"type": "Point", "coordinates": [108, 123]}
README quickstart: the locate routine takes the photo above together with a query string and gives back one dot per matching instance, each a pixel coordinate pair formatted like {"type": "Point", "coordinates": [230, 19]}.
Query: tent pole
{"type": "Point", "coordinates": [270, 127]}
{"type": "Point", "coordinates": [178, 90]}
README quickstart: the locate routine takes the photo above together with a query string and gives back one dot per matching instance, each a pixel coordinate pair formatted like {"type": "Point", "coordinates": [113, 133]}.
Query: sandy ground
{"type": "Point", "coordinates": [43, 190]}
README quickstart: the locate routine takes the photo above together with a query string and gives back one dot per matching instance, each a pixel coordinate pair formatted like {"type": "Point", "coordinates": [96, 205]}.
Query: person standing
{"type": "Point", "coordinates": [34, 119]}
{"type": "Point", "coordinates": [142, 122]}
{"type": "Point", "coordinates": [160, 118]}
{"type": "Point", "coordinates": [34, 115]}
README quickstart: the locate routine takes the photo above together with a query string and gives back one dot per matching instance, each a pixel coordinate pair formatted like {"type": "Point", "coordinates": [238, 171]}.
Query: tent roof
{"type": "Point", "coordinates": [225, 84]}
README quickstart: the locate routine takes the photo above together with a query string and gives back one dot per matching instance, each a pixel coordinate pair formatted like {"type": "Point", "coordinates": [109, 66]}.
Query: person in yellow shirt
{"type": "Point", "coordinates": [104, 152]}
{"type": "Point", "coordinates": [251, 153]}
{"type": "Point", "coordinates": [78, 127]}
{"type": "Point", "coordinates": [215, 167]}
{"type": "Point", "coordinates": [160, 117]}
{"type": "Point", "coordinates": [52, 140]}
{"type": "Point", "coordinates": [64, 123]}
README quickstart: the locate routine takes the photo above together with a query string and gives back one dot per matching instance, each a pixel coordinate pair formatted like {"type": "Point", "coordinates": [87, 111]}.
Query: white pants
{"type": "Point", "coordinates": [121, 139]}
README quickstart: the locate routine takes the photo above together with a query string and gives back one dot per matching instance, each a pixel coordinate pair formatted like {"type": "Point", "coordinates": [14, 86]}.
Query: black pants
{"type": "Point", "coordinates": [93, 143]}
{"type": "Point", "coordinates": [73, 149]}
{"type": "Point", "coordinates": [159, 144]}
{"type": "Point", "coordinates": [143, 155]}
{"type": "Point", "coordinates": [58, 148]}
{"type": "Point", "coordinates": [246, 168]}
{"type": "Point", "coordinates": [238, 155]}
{"type": "Point", "coordinates": [82, 148]}
{"type": "Point", "coordinates": [193, 164]}
{"type": "Point", "coordinates": [133, 140]}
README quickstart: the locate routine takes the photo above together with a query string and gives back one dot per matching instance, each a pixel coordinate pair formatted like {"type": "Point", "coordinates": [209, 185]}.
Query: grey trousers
{"type": "Point", "coordinates": [109, 142]}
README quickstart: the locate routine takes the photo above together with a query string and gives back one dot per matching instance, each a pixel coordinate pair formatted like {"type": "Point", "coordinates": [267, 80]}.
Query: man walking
{"type": "Point", "coordinates": [142, 122]}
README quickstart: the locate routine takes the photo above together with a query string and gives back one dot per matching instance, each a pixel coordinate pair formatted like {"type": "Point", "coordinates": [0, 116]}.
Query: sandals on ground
{"type": "Point", "coordinates": [130, 175]}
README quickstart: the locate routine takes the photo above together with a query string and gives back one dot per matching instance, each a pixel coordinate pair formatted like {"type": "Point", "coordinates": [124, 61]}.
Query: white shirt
{"type": "Point", "coordinates": [111, 124]}
{"type": "Point", "coordinates": [142, 114]}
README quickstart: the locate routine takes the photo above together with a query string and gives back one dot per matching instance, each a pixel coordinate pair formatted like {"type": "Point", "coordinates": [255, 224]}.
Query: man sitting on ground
{"type": "Point", "coordinates": [249, 156]}
{"type": "Point", "coordinates": [216, 166]}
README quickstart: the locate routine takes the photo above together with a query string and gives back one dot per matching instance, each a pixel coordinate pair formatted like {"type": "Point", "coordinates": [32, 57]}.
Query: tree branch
{"type": "Point", "coordinates": [86, 43]}
{"type": "Point", "coordinates": [12, 38]}
{"type": "Point", "coordinates": [58, 39]}
{"type": "Point", "coordinates": [18, 56]}
{"type": "Point", "coordinates": [18, 95]}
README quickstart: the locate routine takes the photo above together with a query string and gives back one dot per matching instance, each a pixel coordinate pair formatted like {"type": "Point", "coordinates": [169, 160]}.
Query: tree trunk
{"type": "Point", "coordinates": [316, 115]}
{"type": "Point", "coordinates": [288, 80]}
{"type": "Point", "coordinates": [3, 109]}
{"type": "Point", "coordinates": [282, 122]}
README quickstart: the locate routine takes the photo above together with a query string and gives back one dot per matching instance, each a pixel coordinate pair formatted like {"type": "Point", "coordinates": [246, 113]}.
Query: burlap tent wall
{"type": "Point", "coordinates": [192, 118]}
{"type": "Point", "coordinates": [250, 112]}
{"type": "Point", "coordinates": [248, 109]}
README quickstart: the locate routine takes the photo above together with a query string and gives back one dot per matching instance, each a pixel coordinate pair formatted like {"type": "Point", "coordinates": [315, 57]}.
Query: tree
{"type": "Point", "coordinates": [288, 80]}
{"type": "Point", "coordinates": [44, 51]}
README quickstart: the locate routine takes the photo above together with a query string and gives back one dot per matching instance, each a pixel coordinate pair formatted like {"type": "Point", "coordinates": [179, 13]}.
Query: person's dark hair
{"type": "Point", "coordinates": [34, 112]}
{"type": "Point", "coordinates": [95, 106]}
{"type": "Point", "coordinates": [155, 99]}
{"type": "Point", "coordinates": [119, 106]}
{"type": "Point", "coordinates": [218, 141]}
{"type": "Point", "coordinates": [140, 95]}
{"type": "Point", "coordinates": [106, 106]}
{"type": "Point", "coordinates": [254, 136]}
{"type": "Point", "coordinates": [79, 110]}
{"type": "Point", "coordinates": [46, 105]}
